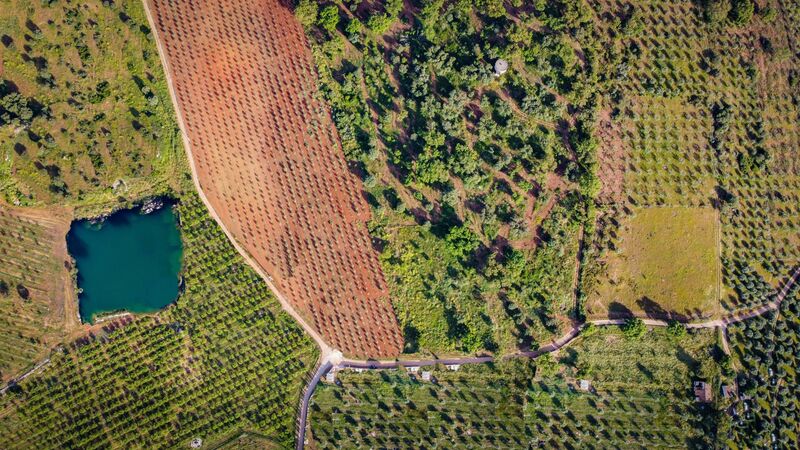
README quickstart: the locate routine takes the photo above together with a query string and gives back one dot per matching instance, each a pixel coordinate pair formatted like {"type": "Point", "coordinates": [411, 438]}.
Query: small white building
{"type": "Point", "coordinates": [453, 367]}
{"type": "Point", "coordinates": [585, 385]}
{"type": "Point", "coordinates": [412, 369]}
{"type": "Point", "coordinates": [330, 377]}
{"type": "Point", "coordinates": [359, 369]}
{"type": "Point", "coordinates": [500, 67]}
{"type": "Point", "coordinates": [196, 443]}
{"type": "Point", "coordinates": [426, 375]}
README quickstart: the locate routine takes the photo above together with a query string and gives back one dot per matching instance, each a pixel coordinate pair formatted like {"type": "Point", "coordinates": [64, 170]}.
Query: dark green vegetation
{"type": "Point", "coordinates": [702, 112]}
{"type": "Point", "coordinates": [640, 398]}
{"type": "Point", "coordinates": [481, 186]}
{"type": "Point", "coordinates": [224, 358]}
{"type": "Point", "coordinates": [130, 261]}
{"type": "Point", "coordinates": [767, 348]}
{"type": "Point", "coordinates": [85, 116]}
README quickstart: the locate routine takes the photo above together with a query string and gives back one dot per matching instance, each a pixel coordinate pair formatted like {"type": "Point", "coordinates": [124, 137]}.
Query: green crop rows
{"type": "Point", "coordinates": [640, 399]}
{"type": "Point", "coordinates": [705, 112]}
{"type": "Point", "coordinates": [767, 348]}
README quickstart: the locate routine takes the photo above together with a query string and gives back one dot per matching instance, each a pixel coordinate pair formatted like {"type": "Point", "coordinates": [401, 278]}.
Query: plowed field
{"type": "Point", "coordinates": [269, 160]}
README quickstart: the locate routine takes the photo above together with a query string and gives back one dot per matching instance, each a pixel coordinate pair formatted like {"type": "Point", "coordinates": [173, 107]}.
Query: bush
{"type": "Point", "coordinates": [306, 12]}
{"type": "Point", "coordinates": [461, 242]}
{"type": "Point", "coordinates": [4, 288]}
{"type": "Point", "coordinates": [634, 328]}
{"type": "Point", "coordinates": [716, 11]}
{"type": "Point", "coordinates": [329, 18]}
{"type": "Point", "coordinates": [742, 11]}
{"type": "Point", "coordinates": [675, 328]}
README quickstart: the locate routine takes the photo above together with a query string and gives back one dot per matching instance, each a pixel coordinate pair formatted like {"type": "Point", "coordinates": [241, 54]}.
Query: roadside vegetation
{"type": "Point", "coordinates": [223, 359]}
{"type": "Point", "coordinates": [640, 396]}
{"type": "Point", "coordinates": [85, 116]}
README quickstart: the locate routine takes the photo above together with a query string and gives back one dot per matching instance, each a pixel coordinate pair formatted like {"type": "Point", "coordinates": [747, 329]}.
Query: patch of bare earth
{"type": "Point", "coordinates": [611, 156]}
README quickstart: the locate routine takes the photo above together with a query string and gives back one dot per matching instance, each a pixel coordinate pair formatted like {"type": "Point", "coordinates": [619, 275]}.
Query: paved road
{"type": "Point", "coordinates": [301, 423]}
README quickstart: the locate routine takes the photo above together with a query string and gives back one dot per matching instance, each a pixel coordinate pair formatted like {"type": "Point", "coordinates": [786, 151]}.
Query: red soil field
{"type": "Point", "coordinates": [269, 160]}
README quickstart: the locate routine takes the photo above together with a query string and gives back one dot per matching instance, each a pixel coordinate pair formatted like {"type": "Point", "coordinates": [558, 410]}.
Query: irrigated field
{"type": "Point", "coordinates": [269, 161]}
{"type": "Point", "coordinates": [37, 302]}
{"type": "Point", "coordinates": [640, 398]}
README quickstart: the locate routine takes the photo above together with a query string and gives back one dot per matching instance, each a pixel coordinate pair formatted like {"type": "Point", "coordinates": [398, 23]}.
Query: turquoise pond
{"type": "Point", "coordinates": [130, 261]}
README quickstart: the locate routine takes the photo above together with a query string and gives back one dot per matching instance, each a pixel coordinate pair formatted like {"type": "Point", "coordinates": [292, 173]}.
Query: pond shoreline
{"type": "Point", "coordinates": [127, 261]}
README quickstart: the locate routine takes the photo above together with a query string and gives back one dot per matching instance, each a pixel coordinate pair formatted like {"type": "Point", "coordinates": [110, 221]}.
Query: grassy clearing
{"type": "Point", "coordinates": [101, 113]}
{"type": "Point", "coordinates": [641, 399]}
{"type": "Point", "coordinates": [667, 265]}
{"type": "Point", "coordinates": [37, 304]}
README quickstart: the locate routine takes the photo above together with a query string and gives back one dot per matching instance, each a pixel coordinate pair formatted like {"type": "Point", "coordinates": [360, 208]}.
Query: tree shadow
{"type": "Point", "coordinates": [654, 310]}
{"type": "Point", "coordinates": [617, 310]}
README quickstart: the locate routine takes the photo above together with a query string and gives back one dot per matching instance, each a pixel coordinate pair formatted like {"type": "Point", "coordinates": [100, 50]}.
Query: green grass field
{"type": "Point", "coordinates": [667, 265]}
{"type": "Point", "coordinates": [102, 129]}
{"type": "Point", "coordinates": [641, 399]}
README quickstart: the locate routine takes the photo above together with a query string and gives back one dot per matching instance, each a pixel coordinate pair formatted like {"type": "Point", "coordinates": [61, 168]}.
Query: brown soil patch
{"type": "Point", "coordinates": [269, 160]}
{"type": "Point", "coordinates": [611, 158]}
{"type": "Point", "coordinates": [40, 308]}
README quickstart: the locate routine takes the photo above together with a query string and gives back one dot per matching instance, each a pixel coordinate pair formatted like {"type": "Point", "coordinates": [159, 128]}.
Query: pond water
{"type": "Point", "coordinates": [130, 261]}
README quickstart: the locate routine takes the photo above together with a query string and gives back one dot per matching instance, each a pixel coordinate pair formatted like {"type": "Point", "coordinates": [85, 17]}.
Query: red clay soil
{"type": "Point", "coordinates": [269, 160]}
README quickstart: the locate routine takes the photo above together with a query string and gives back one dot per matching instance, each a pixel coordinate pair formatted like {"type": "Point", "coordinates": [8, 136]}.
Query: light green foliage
{"type": "Point", "coordinates": [461, 242]}
{"type": "Point", "coordinates": [676, 328]}
{"type": "Point", "coordinates": [379, 23]}
{"type": "Point", "coordinates": [83, 103]}
{"type": "Point", "coordinates": [224, 358]}
{"type": "Point", "coordinates": [634, 328]}
{"type": "Point", "coordinates": [306, 12]}
{"type": "Point", "coordinates": [329, 18]}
